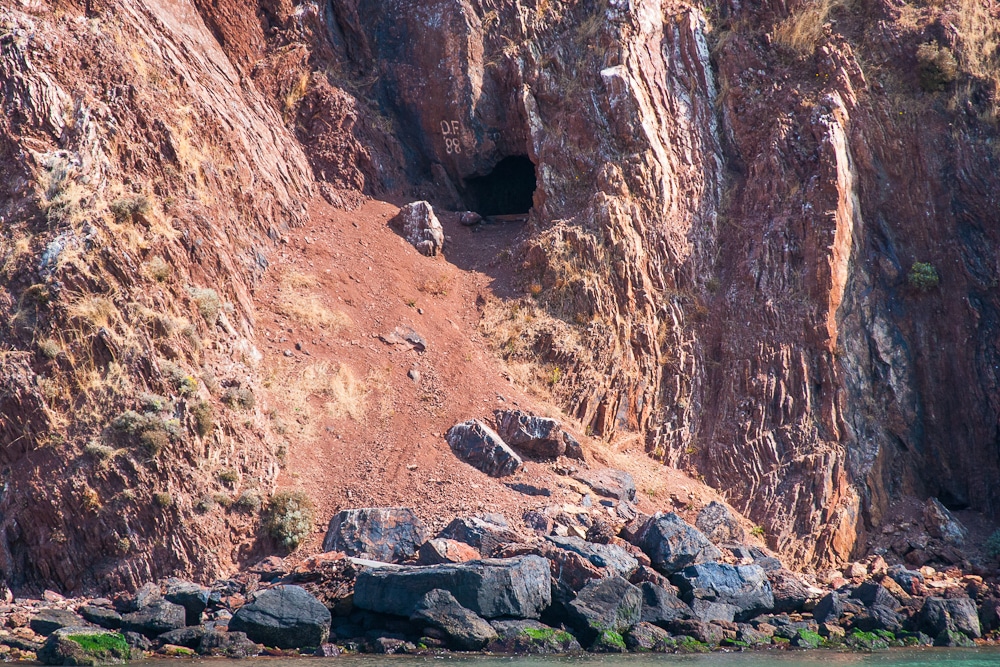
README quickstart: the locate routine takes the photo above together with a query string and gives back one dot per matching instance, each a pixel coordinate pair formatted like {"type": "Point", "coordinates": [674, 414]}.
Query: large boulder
{"type": "Point", "coordinates": [531, 637]}
{"type": "Point", "coordinates": [219, 643]}
{"type": "Point", "coordinates": [614, 559]}
{"type": "Point", "coordinates": [388, 534]}
{"type": "Point", "coordinates": [155, 618]}
{"type": "Point", "coordinates": [672, 544]}
{"type": "Point", "coordinates": [611, 605]}
{"type": "Point", "coordinates": [609, 483]}
{"type": "Point", "coordinates": [940, 523]}
{"type": "Point", "coordinates": [790, 592]}
{"type": "Point", "coordinates": [746, 587]}
{"type": "Point", "coordinates": [871, 594]}
{"type": "Point", "coordinates": [540, 437]}
{"type": "Point", "coordinates": [191, 596]}
{"type": "Point", "coordinates": [829, 609]}
{"type": "Point", "coordinates": [285, 617]}
{"type": "Point", "coordinates": [938, 616]}
{"type": "Point", "coordinates": [492, 588]}
{"type": "Point", "coordinates": [482, 534]}
{"type": "Point", "coordinates": [84, 646]}
{"type": "Point", "coordinates": [47, 621]}
{"type": "Point", "coordinates": [661, 605]}
{"type": "Point", "coordinates": [463, 629]}
{"type": "Point", "coordinates": [420, 227]}
{"type": "Point", "coordinates": [478, 445]}
{"type": "Point", "coordinates": [718, 523]}
{"type": "Point", "coordinates": [102, 616]}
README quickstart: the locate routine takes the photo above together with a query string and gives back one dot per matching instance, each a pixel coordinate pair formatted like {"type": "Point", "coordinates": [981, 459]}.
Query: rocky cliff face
{"type": "Point", "coordinates": [728, 204]}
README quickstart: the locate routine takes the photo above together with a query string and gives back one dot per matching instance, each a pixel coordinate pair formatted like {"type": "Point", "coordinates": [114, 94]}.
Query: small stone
{"type": "Point", "coordinates": [413, 374]}
{"type": "Point", "coordinates": [288, 353]}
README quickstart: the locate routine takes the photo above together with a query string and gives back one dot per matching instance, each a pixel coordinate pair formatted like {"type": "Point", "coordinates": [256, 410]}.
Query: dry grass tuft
{"type": "Point", "coordinates": [309, 310]}
{"type": "Point", "coordinates": [803, 30]}
{"type": "Point", "coordinates": [344, 394]}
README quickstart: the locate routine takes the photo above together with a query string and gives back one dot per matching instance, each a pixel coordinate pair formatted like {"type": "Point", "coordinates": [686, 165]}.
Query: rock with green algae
{"type": "Point", "coordinates": [686, 644]}
{"type": "Point", "coordinates": [806, 639]}
{"type": "Point", "coordinates": [609, 641]}
{"type": "Point", "coordinates": [531, 637]}
{"type": "Point", "coordinates": [866, 641]}
{"type": "Point", "coordinates": [84, 646]}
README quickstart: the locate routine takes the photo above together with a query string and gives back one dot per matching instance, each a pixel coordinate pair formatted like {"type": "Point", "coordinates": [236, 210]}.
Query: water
{"type": "Point", "coordinates": [925, 657]}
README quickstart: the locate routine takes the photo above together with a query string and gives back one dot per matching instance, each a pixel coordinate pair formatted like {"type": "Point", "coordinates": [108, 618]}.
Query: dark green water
{"type": "Point", "coordinates": [927, 657]}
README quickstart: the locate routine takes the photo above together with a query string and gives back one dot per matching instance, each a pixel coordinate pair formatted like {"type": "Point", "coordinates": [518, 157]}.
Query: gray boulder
{"type": "Point", "coordinates": [604, 605]}
{"type": "Point", "coordinates": [492, 588]}
{"type": "Point", "coordinates": [189, 637]}
{"type": "Point", "coordinates": [645, 637]}
{"type": "Point", "coordinates": [481, 534]}
{"type": "Point", "coordinates": [478, 445]}
{"type": "Point", "coordinates": [790, 593]}
{"type": "Point", "coordinates": [420, 227]}
{"type": "Point", "coordinates": [612, 557]}
{"type": "Point", "coordinates": [69, 646]}
{"type": "Point", "coordinates": [707, 611]}
{"type": "Point", "coordinates": [719, 524]}
{"type": "Point", "coordinates": [940, 523]}
{"type": "Point", "coordinates": [219, 643]}
{"type": "Point", "coordinates": [155, 618]}
{"type": "Point", "coordinates": [609, 483]}
{"type": "Point", "coordinates": [909, 580]}
{"type": "Point", "coordinates": [540, 437]}
{"type": "Point", "coordinates": [661, 606]}
{"type": "Point", "coordinates": [672, 544]}
{"type": "Point", "coordinates": [463, 629]}
{"type": "Point", "coordinates": [746, 587]}
{"type": "Point", "coordinates": [531, 637]}
{"type": "Point", "coordinates": [938, 616]}
{"type": "Point", "coordinates": [871, 594]}
{"type": "Point", "coordinates": [829, 609]}
{"type": "Point", "coordinates": [47, 621]}
{"type": "Point", "coordinates": [387, 534]}
{"type": "Point", "coordinates": [285, 617]}
{"type": "Point", "coordinates": [191, 596]}
{"type": "Point", "coordinates": [102, 616]}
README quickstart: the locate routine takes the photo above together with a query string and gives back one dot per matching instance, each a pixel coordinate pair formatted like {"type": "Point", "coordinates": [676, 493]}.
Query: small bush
{"type": "Point", "coordinates": [222, 499]}
{"type": "Point", "coordinates": [229, 477]}
{"type": "Point", "coordinates": [923, 276]}
{"type": "Point", "coordinates": [153, 441]}
{"type": "Point", "coordinates": [153, 402]}
{"type": "Point", "coordinates": [158, 269]}
{"type": "Point", "coordinates": [162, 499]}
{"type": "Point", "coordinates": [289, 518]}
{"type": "Point", "coordinates": [248, 503]}
{"type": "Point", "coordinates": [992, 546]}
{"type": "Point", "coordinates": [937, 67]}
{"type": "Point", "coordinates": [208, 302]}
{"type": "Point", "coordinates": [757, 531]}
{"type": "Point", "coordinates": [130, 208]}
{"type": "Point", "coordinates": [98, 451]}
{"type": "Point", "coordinates": [239, 398]}
{"type": "Point", "coordinates": [49, 348]}
{"type": "Point", "coordinates": [204, 417]}
{"type": "Point", "coordinates": [205, 505]}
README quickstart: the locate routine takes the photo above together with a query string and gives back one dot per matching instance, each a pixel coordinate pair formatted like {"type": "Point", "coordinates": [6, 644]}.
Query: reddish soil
{"type": "Point", "coordinates": [395, 454]}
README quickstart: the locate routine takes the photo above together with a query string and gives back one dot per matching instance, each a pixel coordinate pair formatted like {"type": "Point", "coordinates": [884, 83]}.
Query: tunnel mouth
{"type": "Point", "coordinates": [508, 190]}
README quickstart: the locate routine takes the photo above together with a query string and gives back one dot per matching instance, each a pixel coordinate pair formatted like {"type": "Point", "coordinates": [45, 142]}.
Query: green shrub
{"type": "Point", "coordinates": [923, 276]}
{"type": "Point", "coordinates": [238, 398]}
{"type": "Point", "coordinates": [937, 67]}
{"type": "Point", "coordinates": [992, 546]}
{"type": "Point", "coordinates": [208, 302]}
{"type": "Point", "coordinates": [162, 499]}
{"type": "Point", "coordinates": [229, 477]}
{"type": "Point", "coordinates": [130, 208]}
{"type": "Point", "coordinates": [204, 417]}
{"type": "Point", "coordinates": [248, 503]}
{"type": "Point", "coordinates": [289, 518]}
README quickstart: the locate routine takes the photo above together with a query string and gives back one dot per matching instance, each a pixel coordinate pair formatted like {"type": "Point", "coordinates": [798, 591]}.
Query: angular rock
{"type": "Point", "coordinates": [718, 523]}
{"type": "Point", "coordinates": [480, 534]}
{"type": "Point", "coordinates": [954, 639]}
{"type": "Point", "coordinates": [155, 618]}
{"type": "Point", "coordinates": [463, 629]}
{"type": "Point", "coordinates": [610, 604]}
{"type": "Point", "coordinates": [191, 596]}
{"type": "Point", "coordinates": [829, 609]}
{"type": "Point", "coordinates": [878, 617]}
{"type": "Point", "coordinates": [420, 227]}
{"type": "Point", "coordinates": [909, 580]}
{"type": "Point", "coordinates": [84, 646]}
{"type": "Point", "coordinates": [573, 448]}
{"type": "Point", "coordinates": [615, 559]}
{"type": "Point", "coordinates": [540, 437]}
{"type": "Point", "coordinates": [707, 611]}
{"type": "Point", "coordinates": [661, 606]}
{"type": "Point", "coordinates": [790, 592]}
{"type": "Point", "coordinates": [387, 534]}
{"type": "Point", "coordinates": [609, 483]}
{"type": "Point", "coordinates": [940, 523]}
{"type": "Point", "coordinates": [532, 638]}
{"type": "Point", "coordinates": [190, 636]}
{"type": "Point", "coordinates": [744, 586]}
{"type": "Point", "coordinates": [102, 616]}
{"type": "Point", "coordinates": [871, 594]}
{"type": "Point", "coordinates": [708, 633]}
{"type": "Point", "coordinates": [939, 615]}
{"type": "Point", "coordinates": [672, 544]}
{"type": "Point", "coordinates": [441, 550]}
{"type": "Point", "coordinates": [285, 617]}
{"type": "Point", "coordinates": [478, 445]}
{"type": "Point", "coordinates": [644, 637]}
{"type": "Point", "coordinates": [47, 621]}
{"type": "Point", "coordinates": [516, 587]}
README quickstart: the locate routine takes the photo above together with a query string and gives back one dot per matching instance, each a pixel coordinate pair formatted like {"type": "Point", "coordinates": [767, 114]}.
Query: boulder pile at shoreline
{"type": "Point", "coordinates": [480, 585]}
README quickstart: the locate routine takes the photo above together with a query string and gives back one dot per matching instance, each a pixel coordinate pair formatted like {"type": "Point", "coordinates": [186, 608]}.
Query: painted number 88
{"type": "Point", "coordinates": [450, 130]}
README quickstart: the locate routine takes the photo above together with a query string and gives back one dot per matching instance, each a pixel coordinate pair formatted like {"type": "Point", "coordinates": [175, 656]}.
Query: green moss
{"type": "Point", "coordinates": [105, 646]}
{"type": "Point", "coordinates": [609, 641]}
{"type": "Point", "coordinates": [686, 644]}
{"type": "Point", "coordinates": [807, 639]}
{"type": "Point", "coordinates": [781, 640]}
{"type": "Point", "coordinates": [866, 641]}
{"type": "Point", "coordinates": [923, 276]}
{"type": "Point", "coordinates": [540, 634]}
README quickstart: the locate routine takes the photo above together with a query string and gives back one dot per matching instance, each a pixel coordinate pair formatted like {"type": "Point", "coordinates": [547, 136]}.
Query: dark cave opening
{"type": "Point", "coordinates": [507, 190]}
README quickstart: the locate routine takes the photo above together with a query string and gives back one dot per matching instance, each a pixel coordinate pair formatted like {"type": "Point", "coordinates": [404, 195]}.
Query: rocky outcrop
{"type": "Point", "coordinates": [386, 534]}
{"type": "Point", "coordinates": [286, 617]}
{"type": "Point", "coordinates": [420, 227]}
{"type": "Point", "coordinates": [745, 587]}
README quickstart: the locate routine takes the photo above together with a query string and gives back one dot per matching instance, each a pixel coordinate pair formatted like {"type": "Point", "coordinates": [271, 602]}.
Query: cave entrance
{"type": "Point", "coordinates": [506, 191]}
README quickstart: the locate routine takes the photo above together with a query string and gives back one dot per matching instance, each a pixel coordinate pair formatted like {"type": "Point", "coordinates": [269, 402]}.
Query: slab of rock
{"type": "Point", "coordinates": [387, 534]}
{"type": "Point", "coordinates": [492, 588]}
{"type": "Point", "coordinates": [102, 616]}
{"type": "Point", "coordinates": [61, 648]}
{"type": "Point", "coordinates": [539, 437]}
{"type": "Point", "coordinates": [940, 523]}
{"type": "Point", "coordinates": [191, 596]}
{"type": "Point", "coordinates": [189, 637]}
{"type": "Point", "coordinates": [644, 637]}
{"type": "Point", "coordinates": [603, 605]}
{"type": "Point", "coordinates": [463, 629]}
{"type": "Point", "coordinates": [442, 550]}
{"type": "Point", "coordinates": [672, 544]}
{"type": "Point", "coordinates": [573, 448]}
{"type": "Point", "coordinates": [744, 586]}
{"type": "Point", "coordinates": [532, 638]}
{"type": "Point", "coordinates": [939, 616]}
{"type": "Point", "coordinates": [285, 617]}
{"type": "Point", "coordinates": [661, 605]}
{"type": "Point", "coordinates": [481, 534]}
{"type": "Point", "coordinates": [155, 618]}
{"type": "Point", "coordinates": [615, 560]}
{"type": "Point", "coordinates": [47, 621]}
{"type": "Point", "coordinates": [829, 609]}
{"type": "Point", "coordinates": [871, 594]}
{"type": "Point", "coordinates": [219, 643]}
{"type": "Point", "coordinates": [481, 447]}
{"type": "Point", "coordinates": [420, 227]}
{"type": "Point", "coordinates": [790, 593]}
{"type": "Point", "coordinates": [707, 611]}
{"type": "Point", "coordinates": [609, 483]}
{"type": "Point", "coordinates": [910, 581]}
{"type": "Point", "coordinates": [718, 523]}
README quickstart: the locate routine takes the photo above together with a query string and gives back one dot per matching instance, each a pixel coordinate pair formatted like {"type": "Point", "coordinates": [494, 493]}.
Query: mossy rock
{"type": "Point", "coordinates": [807, 639]}
{"type": "Point", "coordinates": [84, 646]}
{"type": "Point", "coordinates": [686, 644]}
{"type": "Point", "coordinates": [532, 637]}
{"type": "Point", "coordinates": [866, 641]}
{"type": "Point", "coordinates": [609, 641]}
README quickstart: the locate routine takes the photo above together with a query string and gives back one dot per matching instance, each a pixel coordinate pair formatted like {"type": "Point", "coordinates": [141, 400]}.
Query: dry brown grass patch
{"type": "Point", "coordinates": [803, 30]}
